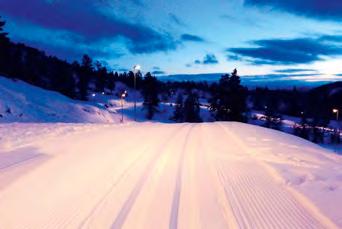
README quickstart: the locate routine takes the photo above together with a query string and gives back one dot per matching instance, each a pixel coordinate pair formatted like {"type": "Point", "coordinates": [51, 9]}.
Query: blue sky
{"type": "Point", "coordinates": [300, 39]}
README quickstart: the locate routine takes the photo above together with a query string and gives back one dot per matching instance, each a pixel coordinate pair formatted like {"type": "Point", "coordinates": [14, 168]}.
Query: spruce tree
{"type": "Point", "coordinates": [3, 35]}
{"type": "Point", "coordinates": [111, 82]}
{"type": "Point", "coordinates": [101, 74]}
{"type": "Point", "coordinates": [150, 94]}
{"type": "Point", "coordinates": [192, 108]}
{"type": "Point", "coordinates": [4, 51]}
{"type": "Point", "coordinates": [228, 102]}
{"type": "Point", "coordinates": [237, 98]}
{"type": "Point", "coordinates": [86, 70]}
{"type": "Point", "coordinates": [178, 114]}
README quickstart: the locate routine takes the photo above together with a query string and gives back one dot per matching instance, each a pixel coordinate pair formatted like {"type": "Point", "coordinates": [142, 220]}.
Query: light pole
{"type": "Point", "coordinates": [136, 70]}
{"type": "Point", "coordinates": [336, 111]}
{"type": "Point", "coordinates": [123, 95]}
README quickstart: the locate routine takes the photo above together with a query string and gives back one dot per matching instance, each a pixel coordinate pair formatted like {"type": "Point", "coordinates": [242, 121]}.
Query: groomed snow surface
{"type": "Point", "coordinates": [149, 175]}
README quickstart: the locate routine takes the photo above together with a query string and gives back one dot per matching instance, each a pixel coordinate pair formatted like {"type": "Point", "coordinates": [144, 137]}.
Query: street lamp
{"type": "Point", "coordinates": [136, 70]}
{"type": "Point", "coordinates": [123, 95]}
{"type": "Point", "coordinates": [336, 111]}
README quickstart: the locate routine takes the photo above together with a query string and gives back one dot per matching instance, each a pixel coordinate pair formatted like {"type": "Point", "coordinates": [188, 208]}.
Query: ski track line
{"type": "Point", "coordinates": [177, 191]}
{"type": "Point", "coordinates": [19, 163]}
{"type": "Point", "coordinates": [127, 206]}
{"type": "Point", "coordinates": [274, 198]}
{"type": "Point", "coordinates": [190, 204]}
{"type": "Point", "coordinates": [124, 174]}
{"type": "Point", "coordinates": [238, 174]}
{"type": "Point", "coordinates": [110, 190]}
{"type": "Point", "coordinates": [66, 222]}
{"type": "Point", "coordinates": [225, 203]}
{"type": "Point", "coordinates": [114, 184]}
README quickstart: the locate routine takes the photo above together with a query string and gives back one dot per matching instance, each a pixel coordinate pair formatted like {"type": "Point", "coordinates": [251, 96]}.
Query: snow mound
{"type": "Point", "coordinates": [22, 102]}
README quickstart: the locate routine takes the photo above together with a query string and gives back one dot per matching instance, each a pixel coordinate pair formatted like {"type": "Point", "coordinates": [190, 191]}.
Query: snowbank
{"type": "Point", "coordinates": [22, 102]}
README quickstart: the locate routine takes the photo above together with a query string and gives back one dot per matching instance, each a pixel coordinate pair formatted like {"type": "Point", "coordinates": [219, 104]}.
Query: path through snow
{"type": "Point", "coordinates": [150, 176]}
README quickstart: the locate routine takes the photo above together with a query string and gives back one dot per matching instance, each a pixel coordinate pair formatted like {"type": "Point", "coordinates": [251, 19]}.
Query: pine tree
{"type": "Point", "coordinates": [237, 98]}
{"type": "Point", "coordinates": [111, 82]}
{"type": "Point", "coordinates": [304, 128]}
{"type": "Point", "coordinates": [228, 102]}
{"type": "Point", "coordinates": [150, 94]}
{"type": "Point", "coordinates": [3, 35]}
{"type": "Point", "coordinates": [86, 70]}
{"type": "Point", "coordinates": [101, 74]}
{"type": "Point", "coordinates": [178, 114]}
{"type": "Point", "coordinates": [4, 51]}
{"type": "Point", "coordinates": [192, 108]}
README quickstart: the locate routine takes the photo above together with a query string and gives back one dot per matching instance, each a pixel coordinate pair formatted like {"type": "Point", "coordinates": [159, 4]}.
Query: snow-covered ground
{"type": "Point", "coordinates": [288, 123]}
{"type": "Point", "coordinates": [22, 102]}
{"type": "Point", "coordinates": [153, 175]}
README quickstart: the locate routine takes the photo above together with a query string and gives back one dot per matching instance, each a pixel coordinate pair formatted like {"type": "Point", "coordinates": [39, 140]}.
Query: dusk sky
{"type": "Point", "coordinates": [297, 39]}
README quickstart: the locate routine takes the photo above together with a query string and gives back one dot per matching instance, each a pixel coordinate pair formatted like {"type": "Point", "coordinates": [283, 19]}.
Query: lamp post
{"type": "Point", "coordinates": [136, 70]}
{"type": "Point", "coordinates": [336, 111]}
{"type": "Point", "coordinates": [123, 95]}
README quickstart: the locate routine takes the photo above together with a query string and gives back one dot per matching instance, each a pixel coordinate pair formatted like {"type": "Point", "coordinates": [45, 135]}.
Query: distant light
{"type": "Point", "coordinates": [136, 68]}
{"type": "Point", "coordinates": [103, 93]}
{"type": "Point", "coordinates": [335, 110]}
{"type": "Point", "coordinates": [93, 94]}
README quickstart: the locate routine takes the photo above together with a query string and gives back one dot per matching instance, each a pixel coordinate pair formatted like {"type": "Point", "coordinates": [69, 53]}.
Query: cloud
{"type": "Point", "coordinates": [158, 72]}
{"type": "Point", "coordinates": [86, 19]}
{"type": "Point", "coordinates": [294, 70]}
{"type": "Point", "coordinates": [63, 44]}
{"type": "Point", "coordinates": [176, 20]}
{"type": "Point", "coordinates": [243, 20]}
{"type": "Point", "coordinates": [193, 38]}
{"type": "Point", "coordinates": [122, 70]}
{"type": "Point", "coordinates": [208, 59]}
{"type": "Point", "coordinates": [289, 51]}
{"type": "Point", "coordinates": [320, 9]}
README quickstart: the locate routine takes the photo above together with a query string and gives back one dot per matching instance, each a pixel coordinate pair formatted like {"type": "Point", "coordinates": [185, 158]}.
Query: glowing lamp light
{"type": "Point", "coordinates": [335, 110]}
{"type": "Point", "coordinates": [136, 68]}
{"type": "Point", "coordinates": [93, 95]}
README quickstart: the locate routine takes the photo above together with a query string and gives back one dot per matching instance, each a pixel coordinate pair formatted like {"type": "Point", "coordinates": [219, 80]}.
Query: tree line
{"type": "Point", "coordinates": [227, 99]}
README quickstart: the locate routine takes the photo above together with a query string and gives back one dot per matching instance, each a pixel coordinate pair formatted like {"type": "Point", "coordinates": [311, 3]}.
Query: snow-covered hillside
{"type": "Point", "coordinates": [145, 175]}
{"type": "Point", "coordinates": [22, 102]}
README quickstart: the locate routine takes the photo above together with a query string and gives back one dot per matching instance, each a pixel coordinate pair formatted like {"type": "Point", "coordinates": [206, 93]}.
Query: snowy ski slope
{"type": "Point", "coordinates": [209, 175]}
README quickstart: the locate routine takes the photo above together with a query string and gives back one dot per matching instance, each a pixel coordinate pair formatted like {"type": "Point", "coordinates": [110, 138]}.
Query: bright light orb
{"type": "Point", "coordinates": [136, 68]}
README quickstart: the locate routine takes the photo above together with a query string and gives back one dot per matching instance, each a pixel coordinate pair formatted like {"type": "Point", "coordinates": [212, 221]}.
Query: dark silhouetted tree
{"type": "Point", "coordinates": [228, 102]}
{"type": "Point", "coordinates": [272, 115]}
{"type": "Point", "coordinates": [111, 82]}
{"type": "Point", "coordinates": [101, 74]}
{"type": "Point", "coordinates": [4, 50]}
{"type": "Point", "coordinates": [86, 70]}
{"type": "Point", "coordinates": [303, 129]}
{"type": "Point", "coordinates": [178, 114]}
{"type": "Point", "coordinates": [150, 94]}
{"type": "Point", "coordinates": [192, 108]}
{"type": "Point", "coordinates": [3, 35]}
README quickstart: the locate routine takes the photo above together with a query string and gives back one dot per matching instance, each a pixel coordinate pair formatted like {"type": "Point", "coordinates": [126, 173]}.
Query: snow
{"type": "Point", "coordinates": [154, 175]}
{"type": "Point", "coordinates": [22, 102]}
